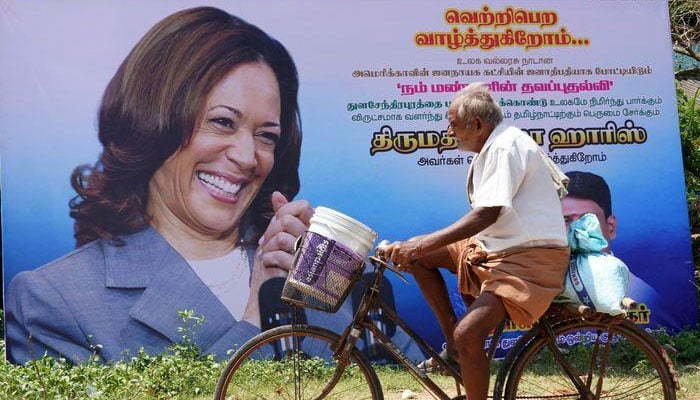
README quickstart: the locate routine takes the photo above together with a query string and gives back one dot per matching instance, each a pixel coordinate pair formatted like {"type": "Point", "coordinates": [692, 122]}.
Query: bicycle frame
{"type": "Point", "coordinates": [361, 320]}
{"type": "Point", "coordinates": [580, 377]}
{"type": "Point", "coordinates": [543, 329]}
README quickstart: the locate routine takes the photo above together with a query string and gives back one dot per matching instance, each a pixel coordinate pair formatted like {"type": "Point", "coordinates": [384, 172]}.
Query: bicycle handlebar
{"type": "Point", "coordinates": [378, 258]}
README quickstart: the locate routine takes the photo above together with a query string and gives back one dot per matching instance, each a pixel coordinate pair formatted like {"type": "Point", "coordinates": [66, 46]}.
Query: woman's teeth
{"type": "Point", "coordinates": [217, 182]}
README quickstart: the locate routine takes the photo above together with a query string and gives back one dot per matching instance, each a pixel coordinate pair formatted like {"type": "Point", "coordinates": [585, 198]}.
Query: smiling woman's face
{"type": "Point", "coordinates": [205, 187]}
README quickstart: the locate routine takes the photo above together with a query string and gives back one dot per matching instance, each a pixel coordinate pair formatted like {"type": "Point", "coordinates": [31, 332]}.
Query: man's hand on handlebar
{"type": "Point", "coordinates": [401, 254]}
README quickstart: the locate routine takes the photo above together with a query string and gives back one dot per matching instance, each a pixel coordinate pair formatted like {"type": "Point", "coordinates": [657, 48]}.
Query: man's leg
{"type": "Point", "coordinates": [431, 283]}
{"type": "Point", "coordinates": [470, 334]}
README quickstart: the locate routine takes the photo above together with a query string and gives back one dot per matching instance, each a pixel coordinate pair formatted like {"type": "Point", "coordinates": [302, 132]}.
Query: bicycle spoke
{"type": "Point", "coordinates": [241, 388]}
{"type": "Point", "coordinates": [286, 364]}
{"type": "Point", "coordinates": [604, 362]}
{"type": "Point", "coordinates": [542, 391]}
{"type": "Point", "coordinates": [621, 384]}
{"type": "Point", "coordinates": [566, 366]}
{"type": "Point", "coordinates": [559, 383]}
{"type": "Point", "coordinates": [615, 359]}
{"type": "Point", "coordinates": [594, 357]}
{"type": "Point", "coordinates": [633, 391]}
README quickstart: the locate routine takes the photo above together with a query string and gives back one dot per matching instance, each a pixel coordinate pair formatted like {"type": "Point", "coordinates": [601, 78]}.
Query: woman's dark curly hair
{"type": "Point", "coordinates": [150, 109]}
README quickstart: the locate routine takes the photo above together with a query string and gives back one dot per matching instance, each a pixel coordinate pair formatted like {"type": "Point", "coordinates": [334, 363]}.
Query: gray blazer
{"type": "Point", "coordinates": [111, 301]}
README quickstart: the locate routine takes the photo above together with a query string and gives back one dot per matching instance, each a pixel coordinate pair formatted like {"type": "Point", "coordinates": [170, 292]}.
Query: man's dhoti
{"type": "Point", "coordinates": [526, 278]}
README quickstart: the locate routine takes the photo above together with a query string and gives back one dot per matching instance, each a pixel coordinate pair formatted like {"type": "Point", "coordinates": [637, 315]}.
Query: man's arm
{"type": "Point", "coordinates": [480, 218]}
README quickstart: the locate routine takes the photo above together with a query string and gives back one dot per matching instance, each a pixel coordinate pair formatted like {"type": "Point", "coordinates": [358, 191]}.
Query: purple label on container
{"type": "Point", "coordinates": [320, 258]}
{"type": "Point", "coordinates": [315, 250]}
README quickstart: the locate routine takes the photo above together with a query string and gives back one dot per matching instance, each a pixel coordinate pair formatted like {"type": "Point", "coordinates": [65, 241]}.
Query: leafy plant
{"type": "Point", "coordinates": [182, 372]}
{"type": "Point", "coordinates": [689, 121]}
{"type": "Point", "coordinates": [684, 344]}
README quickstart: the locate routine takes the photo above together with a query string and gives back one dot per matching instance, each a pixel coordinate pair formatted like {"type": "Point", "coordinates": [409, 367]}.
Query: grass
{"type": "Point", "coordinates": [183, 374]}
{"type": "Point", "coordinates": [394, 384]}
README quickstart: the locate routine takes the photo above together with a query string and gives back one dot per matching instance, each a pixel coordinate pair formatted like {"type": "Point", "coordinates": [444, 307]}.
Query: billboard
{"type": "Point", "coordinates": [596, 92]}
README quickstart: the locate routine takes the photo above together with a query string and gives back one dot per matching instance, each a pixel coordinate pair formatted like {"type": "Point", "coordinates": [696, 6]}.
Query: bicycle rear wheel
{"type": "Point", "coordinates": [295, 362]}
{"type": "Point", "coordinates": [585, 364]}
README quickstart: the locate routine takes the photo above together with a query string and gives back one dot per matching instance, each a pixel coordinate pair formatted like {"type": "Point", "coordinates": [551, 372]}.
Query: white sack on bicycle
{"type": "Point", "coordinates": [594, 278]}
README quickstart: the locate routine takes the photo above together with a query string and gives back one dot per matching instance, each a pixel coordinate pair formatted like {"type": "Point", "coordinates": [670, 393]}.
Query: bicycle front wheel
{"type": "Point", "coordinates": [296, 362]}
{"type": "Point", "coordinates": [592, 360]}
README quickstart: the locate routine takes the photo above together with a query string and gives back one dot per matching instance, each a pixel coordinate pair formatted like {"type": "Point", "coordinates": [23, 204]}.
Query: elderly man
{"type": "Point", "coordinates": [509, 252]}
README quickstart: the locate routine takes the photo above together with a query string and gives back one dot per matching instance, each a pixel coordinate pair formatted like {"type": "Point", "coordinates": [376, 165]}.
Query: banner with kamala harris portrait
{"type": "Point", "coordinates": [591, 82]}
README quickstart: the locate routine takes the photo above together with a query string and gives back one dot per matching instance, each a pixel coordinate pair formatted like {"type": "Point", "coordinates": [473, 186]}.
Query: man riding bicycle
{"type": "Point", "coordinates": [509, 252]}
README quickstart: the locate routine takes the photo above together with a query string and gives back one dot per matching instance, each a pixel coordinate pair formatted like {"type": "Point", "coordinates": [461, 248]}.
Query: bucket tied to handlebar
{"type": "Point", "coordinates": [328, 260]}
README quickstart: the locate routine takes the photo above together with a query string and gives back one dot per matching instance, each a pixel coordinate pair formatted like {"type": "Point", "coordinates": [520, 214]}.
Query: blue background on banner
{"type": "Point", "coordinates": [51, 93]}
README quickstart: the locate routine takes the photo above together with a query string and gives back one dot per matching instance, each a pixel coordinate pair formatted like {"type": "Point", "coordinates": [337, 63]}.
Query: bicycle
{"type": "Point", "coordinates": [571, 353]}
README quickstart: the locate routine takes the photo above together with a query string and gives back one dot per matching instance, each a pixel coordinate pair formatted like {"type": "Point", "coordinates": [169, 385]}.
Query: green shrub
{"type": "Point", "coordinates": [182, 372]}
{"type": "Point", "coordinates": [689, 121]}
{"type": "Point", "coordinates": [685, 346]}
